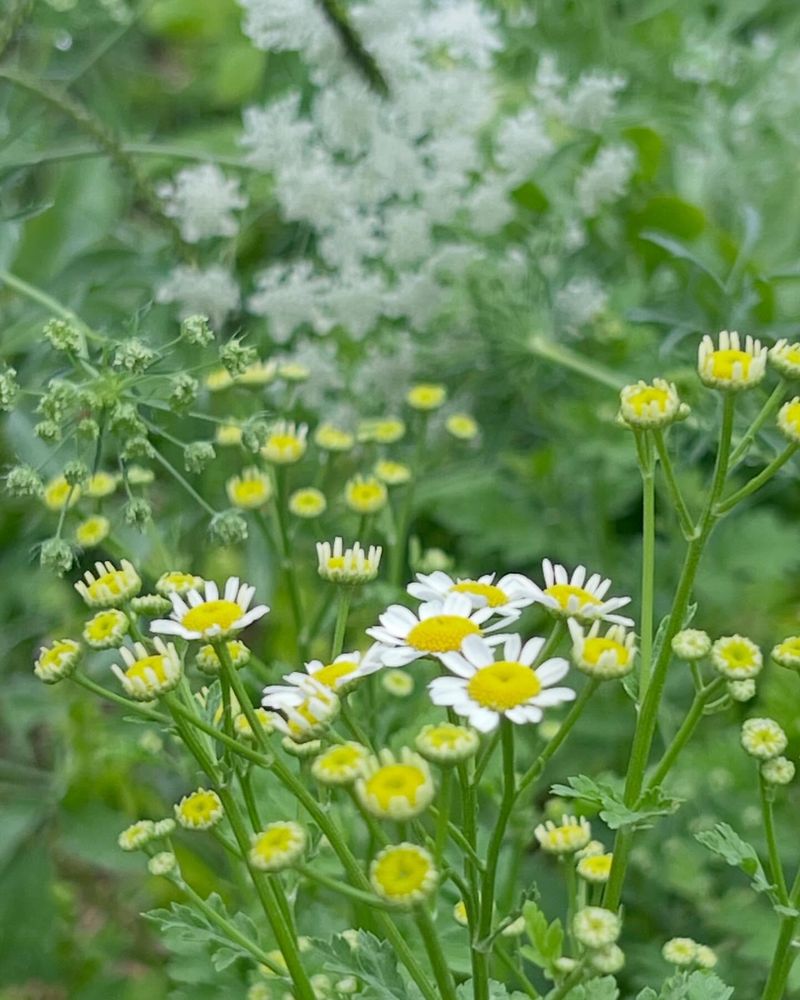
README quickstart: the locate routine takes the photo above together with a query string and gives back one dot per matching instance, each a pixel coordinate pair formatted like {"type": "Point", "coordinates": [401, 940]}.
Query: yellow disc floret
{"type": "Point", "coordinates": [403, 874]}
{"type": "Point", "coordinates": [426, 396]}
{"type": "Point", "coordinates": [365, 494]}
{"type": "Point", "coordinates": [57, 661]}
{"type": "Point", "coordinates": [494, 596]}
{"type": "Point", "coordinates": [503, 685]}
{"type": "Point", "coordinates": [789, 420]}
{"type": "Point", "coordinates": [209, 615]}
{"type": "Point", "coordinates": [340, 765]}
{"type": "Point", "coordinates": [278, 846]}
{"type": "Point", "coordinates": [396, 788]}
{"type": "Point", "coordinates": [250, 490]}
{"type": "Point", "coordinates": [110, 587]}
{"type": "Point", "coordinates": [92, 531]}
{"type": "Point", "coordinates": [58, 494]}
{"type": "Point", "coordinates": [200, 810]}
{"type": "Point", "coordinates": [441, 633]}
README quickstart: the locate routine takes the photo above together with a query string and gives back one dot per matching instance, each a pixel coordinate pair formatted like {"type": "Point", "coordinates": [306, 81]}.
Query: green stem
{"type": "Point", "coordinates": [567, 358]}
{"type": "Point", "coordinates": [433, 947]}
{"type": "Point", "coordinates": [131, 706]}
{"type": "Point", "coordinates": [342, 611]}
{"type": "Point", "coordinates": [337, 16]}
{"type": "Point", "coordinates": [684, 517]}
{"type": "Point", "coordinates": [287, 565]}
{"type": "Point", "coordinates": [647, 467]}
{"type": "Point", "coordinates": [52, 305]}
{"type": "Point", "coordinates": [183, 482]}
{"type": "Point", "coordinates": [237, 747]}
{"type": "Point", "coordinates": [684, 733]}
{"type": "Point", "coordinates": [729, 502]}
{"type": "Point", "coordinates": [776, 868]}
{"type": "Point", "coordinates": [337, 885]}
{"type": "Point", "coordinates": [785, 953]}
{"type": "Point", "coordinates": [766, 411]}
{"type": "Point", "coordinates": [443, 816]}
{"type": "Point", "coordinates": [523, 982]}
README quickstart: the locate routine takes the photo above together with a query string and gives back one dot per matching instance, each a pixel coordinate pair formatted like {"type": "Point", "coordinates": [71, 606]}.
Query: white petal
{"type": "Point", "coordinates": [400, 656]}
{"type": "Point", "coordinates": [457, 604]}
{"type": "Point", "coordinates": [477, 651]}
{"type": "Point", "coordinates": [483, 719]}
{"type": "Point", "coordinates": [553, 696]}
{"type": "Point", "coordinates": [231, 588]}
{"type": "Point", "coordinates": [384, 636]}
{"type": "Point", "coordinates": [513, 647]}
{"type": "Point", "coordinates": [531, 650]}
{"type": "Point", "coordinates": [552, 670]}
{"type": "Point", "coordinates": [212, 591]}
{"type": "Point", "coordinates": [456, 663]}
{"type": "Point", "coordinates": [166, 626]}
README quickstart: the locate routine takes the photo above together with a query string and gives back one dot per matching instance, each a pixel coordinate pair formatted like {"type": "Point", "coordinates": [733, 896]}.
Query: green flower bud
{"type": "Point", "coordinates": [228, 527]}
{"type": "Point", "coordinates": [76, 473]}
{"type": "Point", "coordinates": [133, 356]}
{"type": "Point", "coordinates": [254, 434]}
{"type": "Point", "coordinates": [23, 481]}
{"type": "Point", "coordinates": [235, 357]}
{"type": "Point", "coordinates": [138, 512]}
{"type": "Point", "coordinates": [183, 391]}
{"type": "Point", "coordinates": [47, 430]}
{"type": "Point", "coordinates": [62, 335]}
{"type": "Point", "coordinates": [9, 387]}
{"type": "Point", "coordinates": [197, 455]}
{"type": "Point", "coordinates": [195, 330]}
{"type": "Point", "coordinates": [56, 554]}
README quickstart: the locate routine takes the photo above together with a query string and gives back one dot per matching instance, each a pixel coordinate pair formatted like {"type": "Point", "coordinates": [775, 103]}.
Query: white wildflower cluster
{"type": "Point", "coordinates": [208, 291]}
{"type": "Point", "coordinates": [203, 201]}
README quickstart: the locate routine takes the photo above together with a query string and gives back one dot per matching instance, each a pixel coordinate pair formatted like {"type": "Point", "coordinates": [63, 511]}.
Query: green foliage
{"type": "Point", "coordinates": [192, 927]}
{"type": "Point", "coordinates": [546, 938]}
{"type": "Point", "coordinates": [602, 796]}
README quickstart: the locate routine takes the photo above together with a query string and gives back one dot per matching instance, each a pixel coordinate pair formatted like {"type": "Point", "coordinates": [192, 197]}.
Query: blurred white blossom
{"type": "Point", "coordinates": [605, 179]}
{"type": "Point", "coordinates": [203, 201]}
{"type": "Point", "coordinates": [210, 291]}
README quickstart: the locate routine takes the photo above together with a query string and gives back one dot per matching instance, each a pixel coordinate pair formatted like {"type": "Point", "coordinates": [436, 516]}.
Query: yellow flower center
{"type": "Point", "coordinates": [595, 646]}
{"type": "Point", "coordinates": [504, 685]}
{"type": "Point", "coordinates": [737, 654]}
{"type": "Point", "coordinates": [278, 840]}
{"type": "Point", "coordinates": [401, 871]}
{"type": "Point", "coordinates": [342, 758]}
{"type": "Point", "coordinates": [211, 613]}
{"type": "Point", "coordinates": [52, 656]}
{"type": "Point", "coordinates": [645, 397]}
{"type": "Point", "coordinates": [200, 806]}
{"type": "Point", "coordinates": [249, 490]}
{"type": "Point", "coordinates": [336, 562]}
{"type": "Point", "coordinates": [792, 354]}
{"type": "Point", "coordinates": [116, 581]}
{"type": "Point", "coordinates": [445, 737]}
{"type": "Point", "coordinates": [441, 633]}
{"type": "Point", "coordinates": [790, 647]}
{"type": "Point", "coordinates": [792, 416]}
{"type": "Point", "coordinates": [723, 363]}
{"type": "Point", "coordinates": [562, 592]}
{"type": "Point", "coordinates": [395, 781]}
{"type": "Point", "coordinates": [598, 865]}
{"type": "Point", "coordinates": [142, 668]}
{"type": "Point", "coordinates": [494, 595]}
{"type": "Point", "coordinates": [334, 672]}
{"type": "Point", "coordinates": [284, 442]}
{"type": "Point", "coordinates": [365, 493]}
{"type": "Point", "coordinates": [179, 580]}
{"type": "Point", "coordinates": [103, 625]}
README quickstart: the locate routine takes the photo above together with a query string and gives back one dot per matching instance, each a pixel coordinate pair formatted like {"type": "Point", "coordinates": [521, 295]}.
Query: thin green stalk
{"type": "Point", "coordinates": [523, 982]}
{"type": "Point", "coordinates": [235, 745]}
{"type": "Point", "coordinates": [132, 706]}
{"type": "Point", "coordinates": [472, 868]}
{"type": "Point", "coordinates": [572, 980]}
{"type": "Point", "coordinates": [342, 611]}
{"type": "Point", "coordinates": [556, 634]}
{"type": "Point", "coordinates": [485, 755]}
{"type": "Point", "coordinates": [567, 358]}
{"type": "Point", "coordinates": [443, 816]}
{"type": "Point", "coordinates": [684, 733]}
{"type": "Point", "coordinates": [460, 840]}
{"type": "Point", "coordinates": [647, 468]}
{"type": "Point", "coordinates": [183, 482]}
{"type": "Point", "coordinates": [52, 305]}
{"type": "Point", "coordinates": [433, 948]}
{"type": "Point", "coordinates": [785, 952]}
{"type": "Point", "coordinates": [336, 14]}
{"type": "Point", "coordinates": [767, 793]}
{"type": "Point", "coordinates": [767, 410]}
{"type": "Point", "coordinates": [287, 565]}
{"type": "Point", "coordinates": [729, 502]}
{"type": "Point", "coordinates": [571, 878]}
{"type": "Point", "coordinates": [344, 889]}
{"type": "Point", "coordinates": [674, 490]}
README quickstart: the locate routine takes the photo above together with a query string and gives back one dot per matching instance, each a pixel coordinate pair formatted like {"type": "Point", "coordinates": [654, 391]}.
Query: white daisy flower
{"type": "Point", "coordinates": [301, 710]}
{"type": "Point", "coordinates": [578, 597]}
{"type": "Point", "coordinates": [342, 673]}
{"type": "Point", "coordinates": [206, 615]}
{"type": "Point", "coordinates": [439, 627]}
{"type": "Point", "coordinates": [485, 689]}
{"type": "Point", "coordinates": [509, 594]}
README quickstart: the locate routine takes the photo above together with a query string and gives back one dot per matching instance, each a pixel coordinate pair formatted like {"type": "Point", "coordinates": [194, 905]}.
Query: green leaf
{"type": "Point", "coordinates": [372, 961]}
{"type": "Point", "coordinates": [680, 251]}
{"type": "Point", "coordinates": [497, 991]}
{"type": "Point", "coordinates": [190, 926]}
{"type": "Point", "coordinates": [726, 843]}
{"type": "Point", "coordinates": [612, 808]}
{"type": "Point", "coordinates": [604, 988]}
{"type": "Point", "coordinates": [546, 939]}
{"type": "Point", "coordinates": [699, 985]}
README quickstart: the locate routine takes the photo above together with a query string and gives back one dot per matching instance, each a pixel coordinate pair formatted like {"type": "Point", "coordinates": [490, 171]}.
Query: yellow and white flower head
{"type": "Point", "coordinates": [486, 690]}
{"type": "Point", "coordinates": [736, 657]}
{"type": "Point", "coordinates": [140, 475]}
{"type": "Point", "coordinates": [386, 430]}
{"type": "Point", "coordinates": [58, 494]}
{"type": "Point", "coordinates": [343, 673]}
{"type": "Point", "coordinates": [365, 494]}
{"type": "Point", "coordinates": [147, 675]}
{"type": "Point", "coordinates": [353, 565]}
{"type": "Point", "coordinates": [101, 484]}
{"type": "Point", "coordinates": [392, 473]}
{"type": "Point", "coordinates": [506, 596]}
{"type": "Point", "coordinates": [176, 582]}
{"type": "Point", "coordinates": [596, 927]}
{"type": "Point", "coordinates": [736, 363]}
{"type": "Point", "coordinates": [300, 750]}
{"type": "Point", "coordinates": [329, 437]}
{"type": "Point", "coordinates": [438, 627]}
{"type": "Point", "coordinates": [278, 846]}
{"type": "Point", "coordinates": [763, 738]}
{"type": "Point", "coordinates": [228, 435]}
{"type": "Point", "coordinates": [57, 661]}
{"type": "Point", "coordinates": [426, 396]}
{"type": "Point", "coordinates": [691, 644]}
{"type": "Point", "coordinates": [742, 690]}
{"type": "Point", "coordinates": [787, 653]}
{"type": "Point", "coordinates": [462, 426]}
{"type": "Point", "coordinates": [163, 863]}
{"type": "Point", "coordinates": [651, 404]}
{"type": "Point", "coordinates": [706, 957]}
{"type": "Point", "coordinates": [286, 443]}
{"type": "Point", "coordinates": [206, 615]}
{"type": "Point", "coordinates": [595, 868]}
{"type": "Point", "coordinates": [164, 827]}
{"type": "Point", "coordinates": [399, 683]}
{"type": "Point", "coordinates": [106, 629]}
{"type": "Point", "coordinates": [396, 787]}
{"type": "Point", "coordinates": [608, 960]}
{"type": "Point", "coordinates": [91, 532]}
{"type": "Point", "coordinates": [446, 743]}
{"type": "Point", "coordinates": [680, 951]}
{"type": "Point", "coordinates": [200, 810]}
{"type": "Point", "coordinates": [137, 835]}
{"type": "Point", "coordinates": [576, 596]}
{"type": "Point", "coordinates": [258, 373]}
{"type": "Point", "coordinates": [250, 490]}
{"type": "Point", "coordinates": [307, 502]}
{"type": "Point", "coordinates": [785, 358]}
{"type": "Point", "coordinates": [403, 874]}
{"type": "Point", "coordinates": [789, 420]}
{"type": "Point", "coordinates": [340, 765]}
{"type": "Point", "coordinates": [602, 656]}
{"type": "Point", "coordinates": [109, 587]}
{"type": "Point", "coordinates": [570, 834]}
{"type": "Point", "coordinates": [208, 662]}
{"type": "Point", "coordinates": [303, 709]}
{"type": "Point", "coordinates": [778, 771]}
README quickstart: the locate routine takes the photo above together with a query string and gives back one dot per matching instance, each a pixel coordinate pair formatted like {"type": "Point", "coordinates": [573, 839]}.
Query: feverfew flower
{"type": "Point", "coordinates": [763, 738]}
{"type": "Point", "coordinates": [778, 771]}
{"type": "Point", "coordinates": [163, 863]}
{"type": "Point", "coordinates": [208, 661]}
{"type": "Point", "coordinates": [569, 835]}
{"type": "Point", "coordinates": [602, 656]}
{"type": "Point", "coordinates": [506, 596]}
{"type": "Point", "coordinates": [736, 657]}
{"type": "Point", "coordinates": [340, 675]}
{"type": "Point", "coordinates": [605, 179]}
{"type": "Point", "coordinates": [595, 868]}
{"type": "Point", "coordinates": [446, 743]}
{"type": "Point", "coordinates": [200, 810]}
{"type": "Point", "coordinates": [307, 502]}
{"type": "Point", "coordinates": [387, 430]}
{"type": "Point", "coordinates": [91, 532]}
{"type": "Point", "coordinates": [485, 689]}
{"type": "Point", "coordinates": [578, 597]}
{"type": "Point", "coordinates": [787, 653]}
{"type": "Point", "coordinates": [691, 644]}
{"type": "Point", "coordinates": [257, 373]}
{"type": "Point", "coordinates": [439, 627]}
{"type": "Point", "coordinates": [340, 765]}
{"type": "Point", "coordinates": [58, 493]}
{"type": "Point", "coordinates": [733, 365]}
{"type": "Point", "coordinates": [147, 675]}
{"type": "Point", "coordinates": [396, 787]}
{"type": "Point", "coordinates": [462, 426]}
{"type": "Point", "coordinates": [302, 709]}
{"type": "Point", "coordinates": [136, 836]}
{"type": "Point", "coordinates": [680, 951]}
{"type": "Point", "coordinates": [177, 582]}
{"type": "Point", "coordinates": [106, 629]}
{"type": "Point", "coordinates": [365, 494]}
{"type": "Point", "coordinates": [789, 420]}
{"type": "Point", "coordinates": [741, 690]}
{"type": "Point", "coordinates": [249, 490]}
{"type": "Point", "coordinates": [785, 357]}
{"type": "Point", "coordinates": [101, 484]}
{"type": "Point", "coordinates": [109, 587]}
{"type": "Point", "coordinates": [329, 437]}
{"type": "Point", "coordinates": [392, 473]}
{"type": "Point", "coordinates": [203, 201]}
{"type": "Point", "coordinates": [403, 874]}
{"type": "Point", "coordinates": [57, 661]}
{"type": "Point", "coordinates": [608, 960]}
{"type": "Point", "coordinates": [286, 443]}
{"type": "Point", "coordinates": [207, 616]}
{"type": "Point", "coordinates": [654, 404]}
{"type": "Point", "coordinates": [426, 396]}
{"type": "Point", "coordinates": [278, 846]}
{"type": "Point", "coordinates": [353, 565]}
{"type": "Point", "coordinates": [595, 927]}
{"type": "Point", "coordinates": [399, 683]}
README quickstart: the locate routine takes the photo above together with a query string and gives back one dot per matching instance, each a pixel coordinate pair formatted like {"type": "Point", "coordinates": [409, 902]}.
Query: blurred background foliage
{"type": "Point", "coordinates": [705, 238]}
